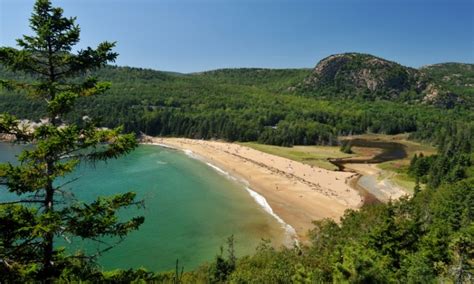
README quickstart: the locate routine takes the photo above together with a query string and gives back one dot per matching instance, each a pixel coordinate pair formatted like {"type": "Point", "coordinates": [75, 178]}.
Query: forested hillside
{"type": "Point", "coordinates": [424, 238]}
{"type": "Point", "coordinates": [421, 239]}
{"type": "Point", "coordinates": [456, 77]}
{"type": "Point", "coordinates": [427, 238]}
{"type": "Point", "coordinates": [355, 74]}
{"type": "Point", "coordinates": [367, 77]}
{"type": "Point", "coordinates": [242, 104]}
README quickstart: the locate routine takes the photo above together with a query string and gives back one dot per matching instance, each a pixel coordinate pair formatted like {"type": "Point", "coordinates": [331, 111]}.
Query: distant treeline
{"type": "Point", "coordinates": [260, 108]}
{"type": "Point", "coordinates": [427, 238]}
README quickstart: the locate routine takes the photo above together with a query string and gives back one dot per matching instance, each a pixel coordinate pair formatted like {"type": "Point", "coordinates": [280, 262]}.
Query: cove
{"type": "Point", "coordinates": [190, 209]}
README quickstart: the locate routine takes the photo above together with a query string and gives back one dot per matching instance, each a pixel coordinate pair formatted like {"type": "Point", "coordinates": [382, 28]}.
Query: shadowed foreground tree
{"type": "Point", "coordinates": [46, 209]}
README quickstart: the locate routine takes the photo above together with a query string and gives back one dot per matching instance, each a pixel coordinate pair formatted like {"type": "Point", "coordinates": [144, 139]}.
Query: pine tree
{"type": "Point", "coordinates": [417, 188]}
{"type": "Point", "coordinates": [413, 165]}
{"type": "Point", "coordinates": [31, 224]}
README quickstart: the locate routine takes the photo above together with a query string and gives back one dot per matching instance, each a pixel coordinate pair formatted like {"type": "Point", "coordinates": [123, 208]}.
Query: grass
{"type": "Point", "coordinates": [311, 155]}
{"type": "Point", "coordinates": [317, 155]}
{"type": "Point", "coordinates": [397, 169]}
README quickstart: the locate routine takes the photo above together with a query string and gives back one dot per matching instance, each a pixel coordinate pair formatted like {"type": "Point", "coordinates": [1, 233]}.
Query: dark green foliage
{"type": "Point", "coordinates": [462, 254]}
{"type": "Point", "coordinates": [187, 105]}
{"type": "Point", "coordinates": [367, 77]}
{"type": "Point", "coordinates": [427, 238]}
{"type": "Point", "coordinates": [455, 77]}
{"type": "Point", "coordinates": [346, 147]}
{"type": "Point", "coordinates": [271, 79]}
{"type": "Point", "coordinates": [267, 266]}
{"type": "Point", "coordinates": [239, 104]}
{"type": "Point", "coordinates": [404, 241]}
{"type": "Point", "coordinates": [417, 187]}
{"type": "Point", "coordinates": [453, 160]}
{"type": "Point", "coordinates": [220, 270]}
{"type": "Point", "coordinates": [46, 209]}
{"type": "Point", "coordinates": [423, 239]}
{"type": "Point", "coordinates": [356, 75]}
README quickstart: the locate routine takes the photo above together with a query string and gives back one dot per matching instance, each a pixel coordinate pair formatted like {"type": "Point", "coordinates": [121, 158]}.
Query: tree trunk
{"type": "Point", "coordinates": [48, 266]}
{"type": "Point", "coordinates": [49, 236]}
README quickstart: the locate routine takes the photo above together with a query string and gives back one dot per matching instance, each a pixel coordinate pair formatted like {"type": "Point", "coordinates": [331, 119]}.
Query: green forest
{"type": "Point", "coordinates": [240, 105]}
{"type": "Point", "coordinates": [426, 238]}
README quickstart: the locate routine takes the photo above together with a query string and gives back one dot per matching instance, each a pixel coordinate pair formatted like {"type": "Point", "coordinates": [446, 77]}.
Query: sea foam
{"type": "Point", "coordinates": [222, 172]}
{"type": "Point", "coordinates": [264, 204]}
{"type": "Point", "coordinates": [259, 199]}
{"type": "Point", "coordinates": [190, 153]}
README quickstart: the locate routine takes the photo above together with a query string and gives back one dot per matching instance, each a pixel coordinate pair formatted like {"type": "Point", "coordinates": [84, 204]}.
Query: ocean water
{"type": "Point", "coordinates": [190, 209]}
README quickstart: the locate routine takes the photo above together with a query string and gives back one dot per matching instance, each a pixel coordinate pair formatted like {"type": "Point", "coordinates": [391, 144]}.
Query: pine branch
{"type": "Point", "coordinates": [21, 201]}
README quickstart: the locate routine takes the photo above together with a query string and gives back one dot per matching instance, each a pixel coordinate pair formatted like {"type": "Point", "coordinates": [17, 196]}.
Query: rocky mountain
{"type": "Point", "coordinates": [458, 77]}
{"type": "Point", "coordinates": [347, 76]}
{"type": "Point", "coordinates": [371, 77]}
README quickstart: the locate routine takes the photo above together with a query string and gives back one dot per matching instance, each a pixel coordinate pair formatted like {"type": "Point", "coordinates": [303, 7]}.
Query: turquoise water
{"type": "Point", "coordinates": [190, 208]}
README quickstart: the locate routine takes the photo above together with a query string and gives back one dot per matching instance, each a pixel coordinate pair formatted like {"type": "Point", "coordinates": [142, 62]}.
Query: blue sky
{"type": "Point", "coordinates": [189, 36]}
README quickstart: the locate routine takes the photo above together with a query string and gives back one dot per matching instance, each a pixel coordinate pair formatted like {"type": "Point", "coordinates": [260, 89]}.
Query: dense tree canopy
{"type": "Point", "coordinates": [423, 239]}
{"type": "Point", "coordinates": [44, 210]}
{"type": "Point", "coordinates": [215, 105]}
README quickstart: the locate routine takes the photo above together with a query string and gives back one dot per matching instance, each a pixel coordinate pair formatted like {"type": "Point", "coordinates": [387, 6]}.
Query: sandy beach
{"type": "Point", "coordinates": [298, 193]}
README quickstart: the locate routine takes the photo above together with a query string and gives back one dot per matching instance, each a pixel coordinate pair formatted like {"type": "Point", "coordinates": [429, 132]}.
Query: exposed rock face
{"type": "Point", "coordinates": [361, 72]}
{"type": "Point", "coordinates": [6, 137]}
{"type": "Point", "coordinates": [459, 75]}
{"type": "Point", "coordinates": [354, 73]}
{"type": "Point", "coordinates": [445, 99]}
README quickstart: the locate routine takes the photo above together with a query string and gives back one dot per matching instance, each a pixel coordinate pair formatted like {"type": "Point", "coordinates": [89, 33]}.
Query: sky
{"type": "Point", "coordinates": [197, 35]}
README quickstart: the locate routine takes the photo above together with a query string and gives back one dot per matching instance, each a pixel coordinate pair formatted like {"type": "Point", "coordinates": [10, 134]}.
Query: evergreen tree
{"type": "Point", "coordinates": [417, 187]}
{"type": "Point", "coordinates": [413, 161]}
{"type": "Point", "coordinates": [346, 147]}
{"type": "Point", "coordinates": [43, 211]}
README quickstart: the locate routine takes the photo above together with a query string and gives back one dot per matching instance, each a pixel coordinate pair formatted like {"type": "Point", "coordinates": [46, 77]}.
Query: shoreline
{"type": "Point", "coordinates": [291, 238]}
{"type": "Point", "coordinates": [296, 193]}
{"type": "Point", "coordinates": [382, 189]}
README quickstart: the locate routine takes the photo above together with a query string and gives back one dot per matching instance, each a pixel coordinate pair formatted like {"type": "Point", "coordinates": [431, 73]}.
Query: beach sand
{"type": "Point", "coordinates": [378, 182]}
{"type": "Point", "coordinates": [297, 193]}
